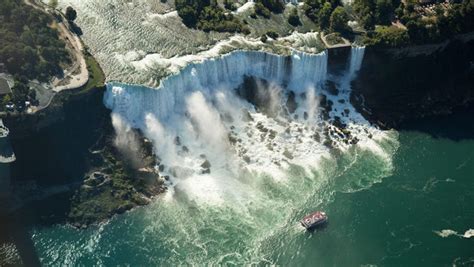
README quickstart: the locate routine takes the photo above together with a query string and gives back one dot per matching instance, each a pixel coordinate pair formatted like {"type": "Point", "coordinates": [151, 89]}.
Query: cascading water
{"type": "Point", "coordinates": [242, 175]}
{"type": "Point", "coordinates": [298, 71]}
{"type": "Point", "coordinates": [357, 56]}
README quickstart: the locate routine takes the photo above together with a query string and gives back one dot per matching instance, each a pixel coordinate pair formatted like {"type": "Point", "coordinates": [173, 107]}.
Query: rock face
{"type": "Point", "coordinates": [116, 185]}
{"type": "Point", "coordinates": [393, 88]}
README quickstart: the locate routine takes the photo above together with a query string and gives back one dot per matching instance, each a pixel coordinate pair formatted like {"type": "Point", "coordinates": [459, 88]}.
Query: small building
{"type": "Point", "coordinates": [4, 87]}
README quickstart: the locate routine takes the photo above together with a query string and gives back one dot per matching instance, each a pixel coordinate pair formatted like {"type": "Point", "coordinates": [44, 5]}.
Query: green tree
{"type": "Point", "coordinates": [208, 16]}
{"type": "Point", "coordinates": [389, 37]}
{"type": "Point", "coordinates": [312, 8]}
{"type": "Point", "coordinates": [384, 11]}
{"type": "Point", "coordinates": [294, 19]}
{"type": "Point", "coordinates": [189, 15]}
{"type": "Point", "coordinates": [275, 6]}
{"type": "Point", "coordinates": [338, 20]}
{"type": "Point", "coordinates": [365, 10]}
{"type": "Point", "coordinates": [229, 4]}
{"type": "Point", "coordinates": [272, 35]}
{"type": "Point", "coordinates": [324, 15]}
{"type": "Point", "coordinates": [71, 14]}
{"type": "Point", "coordinates": [261, 10]}
{"type": "Point", "coordinates": [6, 99]}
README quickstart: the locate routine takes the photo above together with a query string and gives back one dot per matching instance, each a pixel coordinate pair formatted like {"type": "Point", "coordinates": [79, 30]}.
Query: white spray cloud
{"type": "Point", "coordinates": [163, 141]}
{"type": "Point", "coordinates": [208, 123]}
{"type": "Point", "coordinates": [270, 95]}
{"type": "Point", "coordinates": [312, 104]}
{"type": "Point", "coordinates": [126, 140]}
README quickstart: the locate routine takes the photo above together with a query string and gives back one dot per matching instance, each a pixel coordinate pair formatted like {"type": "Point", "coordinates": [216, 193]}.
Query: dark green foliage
{"type": "Point", "coordinates": [320, 11]}
{"type": "Point", "coordinates": [324, 15]}
{"type": "Point", "coordinates": [230, 5]}
{"type": "Point", "coordinates": [371, 12]}
{"type": "Point", "coordinates": [438, 26]}
{"type": "Point", "coordinates": [189, 11]}
{"type": "Point", "coordinates": [29, 48]}
{"type": "Point", "coordinates": [272, 35]}
{"type": "Point", "coordinates": [388, 37]}
{"type": "Point", "coordinates": [338, 20]}
{"type": "Point", "coordinates": [294, 19]}
{"type": "Point", "coordinates": [213, 18]}
{"type": "Point", "coordinates": [206, 16]}
{"type": "Point", "coordinates": [20, 90]}
{"type": "Point", "coordinates": [312, 8]}
{"type": "Point", "coordinates": [261, 10]}
{"type": "Point", "coordinates": [384, 11]}
{"type": "Point", "coordinates": [263, 38]}
{"type": "Point", "coordinates": [71, 14]}
{"type": "Point", "coordinates": [275, 6]}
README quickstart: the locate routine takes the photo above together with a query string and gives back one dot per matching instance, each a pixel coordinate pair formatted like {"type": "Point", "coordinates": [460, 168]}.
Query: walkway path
{"type": "Point", "coordinates": [77, 75]}
{"type": "Point", "coordinates": [345, 43]}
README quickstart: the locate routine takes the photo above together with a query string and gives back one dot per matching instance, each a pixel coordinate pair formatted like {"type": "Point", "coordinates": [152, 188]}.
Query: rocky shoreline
{"type": "Point", "coordinates": [115, 184]}
{"type": "Point", "coordinates": [69, 149]}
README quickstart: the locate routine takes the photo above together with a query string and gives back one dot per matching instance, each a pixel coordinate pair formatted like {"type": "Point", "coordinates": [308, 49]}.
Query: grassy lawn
{"type": "Point", "coordinates": [96, 75]}
{"type": "Point", "coordinates": [334, 39]}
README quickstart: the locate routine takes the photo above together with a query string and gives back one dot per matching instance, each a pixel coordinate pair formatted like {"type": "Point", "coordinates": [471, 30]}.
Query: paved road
{"type": "Point", "coordinates": [328, 46]}
{"type": "Point", "coordinates": [77, 75]}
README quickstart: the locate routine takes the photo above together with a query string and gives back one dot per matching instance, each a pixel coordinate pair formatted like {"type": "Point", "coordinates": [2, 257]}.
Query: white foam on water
{"type": "Point", "coordinates": [448, 232]}
{"type": "Point", "coordinates": [199, 107]}
{"type": "Point", "coordinates": [266, 170]}
{"type": "Point", "coordinates": [469, 233]}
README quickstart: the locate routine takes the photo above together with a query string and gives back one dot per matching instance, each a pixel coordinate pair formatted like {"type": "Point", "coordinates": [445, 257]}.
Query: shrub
{"type": "Point", "coordinates": [338, 20]}
{"type": "Point", "coordinates": [261, 10]}
{"type": "Point", "coordinates": [388, 36]}
{"type": "Point", "coordinates": [272, 35]}
{"type": "Point", "coordinates": [275, 6]}
{"type": "Point", "coordinates": [294, 19]}
{"type": "Point", "coordinates": [71, 14]}
{"type": "Point", "coordinates": [208, 17]}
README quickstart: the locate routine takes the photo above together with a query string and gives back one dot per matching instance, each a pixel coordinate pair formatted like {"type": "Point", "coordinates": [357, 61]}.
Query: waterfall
{"type": "Point", "coordinates": [357, 56]}
{"type": "Point", "coordinates": [203, 131]}
{"type": "Point", "coordinates": [297, 72]}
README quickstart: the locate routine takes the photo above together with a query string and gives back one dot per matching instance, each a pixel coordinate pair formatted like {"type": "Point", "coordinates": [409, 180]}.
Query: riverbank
{"type": "Point", "coordinates": [77, 156]}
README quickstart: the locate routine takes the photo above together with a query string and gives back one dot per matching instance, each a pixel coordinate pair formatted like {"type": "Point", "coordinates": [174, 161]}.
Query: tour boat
{"type": "Point", "coordinates": [314, 220]}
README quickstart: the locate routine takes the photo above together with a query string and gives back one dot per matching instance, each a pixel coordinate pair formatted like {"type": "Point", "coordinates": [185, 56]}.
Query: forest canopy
{"type": "Point", "coordinates": [208, 16]}
{"type": "Point", "coordinates": [417, 24]}
{"type": "Point", "coordinates": [29, 46]}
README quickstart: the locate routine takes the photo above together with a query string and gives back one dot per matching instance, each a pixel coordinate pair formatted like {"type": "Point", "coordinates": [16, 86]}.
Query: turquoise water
{"type": "Point", "coordinates": [380, 214]}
